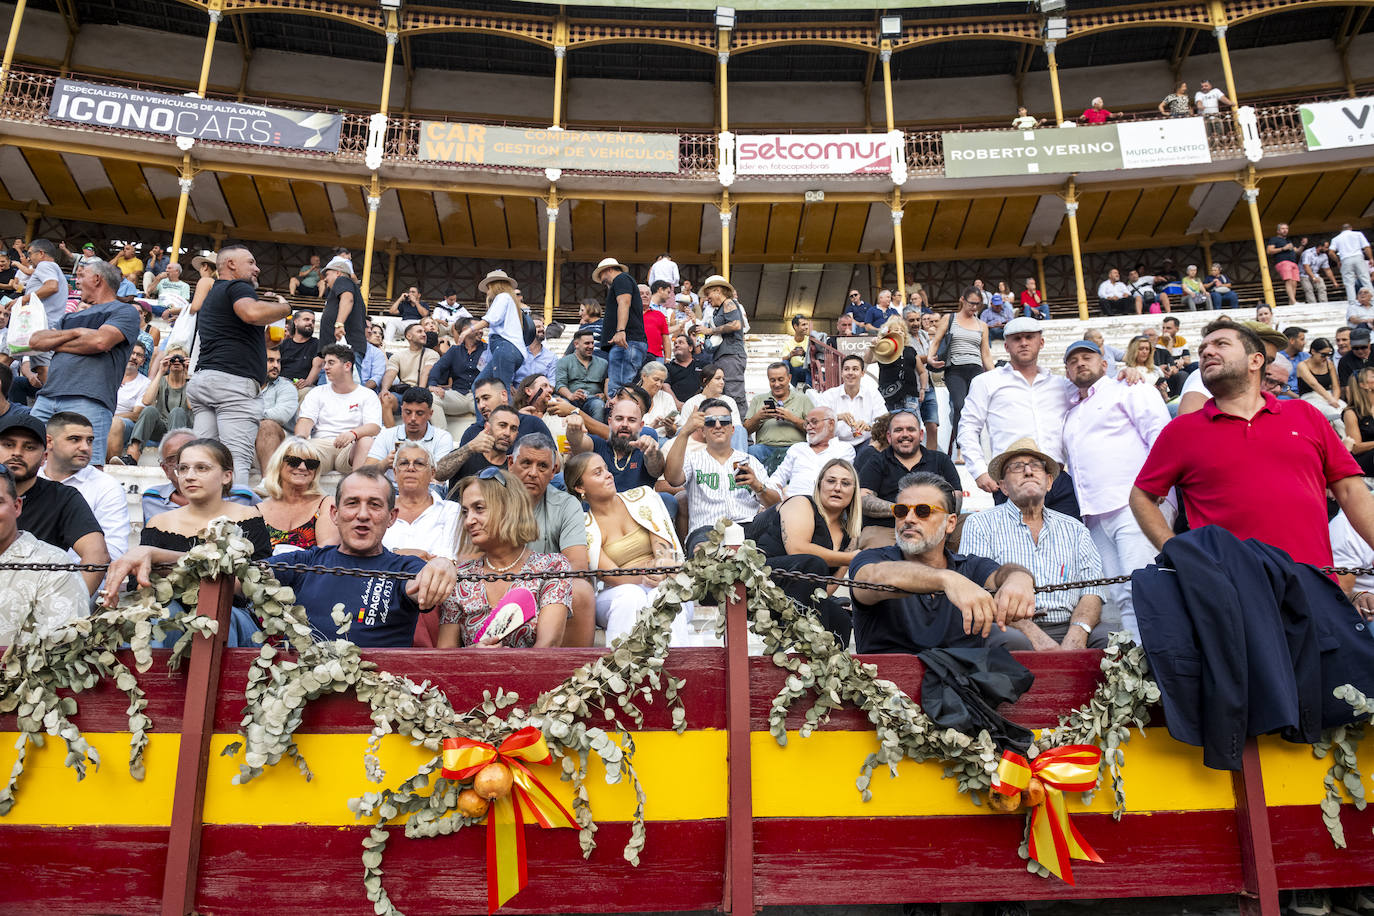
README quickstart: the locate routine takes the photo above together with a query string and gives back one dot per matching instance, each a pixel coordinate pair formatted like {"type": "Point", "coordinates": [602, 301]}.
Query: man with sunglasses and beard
{"type": "Point", "coordinates": [1055, 547]}
{"type": "Point", "coordinates": [881, 473]}
{"type": "Point", "coordinates": [943, 599]}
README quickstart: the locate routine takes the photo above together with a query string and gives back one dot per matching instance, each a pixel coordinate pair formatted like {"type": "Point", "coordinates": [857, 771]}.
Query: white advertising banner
{"type": "Point", "coordinates": [1150, 144]}
{"type": "Point", "coordinates": [813, 154]}
{"type": "Point", "coordinates": [1333, 125]}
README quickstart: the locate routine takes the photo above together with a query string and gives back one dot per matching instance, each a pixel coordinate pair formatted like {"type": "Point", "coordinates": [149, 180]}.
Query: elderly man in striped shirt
{"type": "Point", "coordinates": [1053, 546]}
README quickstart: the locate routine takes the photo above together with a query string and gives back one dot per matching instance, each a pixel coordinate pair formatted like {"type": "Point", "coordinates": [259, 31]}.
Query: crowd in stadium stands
{"type": "Point", "coordinates": [623, 447]}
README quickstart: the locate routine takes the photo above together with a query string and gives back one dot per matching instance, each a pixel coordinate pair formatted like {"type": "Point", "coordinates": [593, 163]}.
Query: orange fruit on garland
{"type": "Point", "coordinates": [493, 781]}
{"type": "Point", "coordinates": [470, 804]}
{"type": "Point", "coordinates": [1003, 803]}
{"type": "Point", "coordinates": [1035, 792]}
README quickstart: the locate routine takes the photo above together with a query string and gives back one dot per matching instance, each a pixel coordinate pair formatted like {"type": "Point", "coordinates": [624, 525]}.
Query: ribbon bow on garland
{"type": "Point", "coordinates": [1053, 838]}
{"type": "Point", "coordinates": [464, 758]}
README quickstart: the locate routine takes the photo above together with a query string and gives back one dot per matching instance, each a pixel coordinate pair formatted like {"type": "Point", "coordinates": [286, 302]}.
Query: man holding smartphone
{"type": "Point", "coordinates": [777, 420]}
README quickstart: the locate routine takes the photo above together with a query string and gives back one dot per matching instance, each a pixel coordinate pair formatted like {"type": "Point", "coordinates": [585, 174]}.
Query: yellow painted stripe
{"type": "Point", "coordinates": [1293, 774]}
{"type": "Point", "coordinates": [684, 777]}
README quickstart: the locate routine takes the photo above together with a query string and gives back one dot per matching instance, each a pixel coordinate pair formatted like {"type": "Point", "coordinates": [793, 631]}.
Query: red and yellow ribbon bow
{"type": "Point", "coordinates": [506, 869]}
{"type": "Point", "coordinates": [1053, 838]}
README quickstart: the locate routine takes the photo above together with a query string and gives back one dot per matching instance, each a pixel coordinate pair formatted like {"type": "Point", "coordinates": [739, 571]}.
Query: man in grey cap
{"type": "Point", "coordinates": [1359, 357]}
{"type": "Point", "coordinates": [344, 306]}
{"type": "Point", "coordinates": [1108, 432]}
{"type": "Point", "coordinates": [1016, 401]}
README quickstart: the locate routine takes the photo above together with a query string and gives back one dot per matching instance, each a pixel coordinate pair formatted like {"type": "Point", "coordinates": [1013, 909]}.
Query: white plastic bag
{"type": "Point", "coordinates": [183, 330]}
{"type": "Point", "coordinates": [25, 319]}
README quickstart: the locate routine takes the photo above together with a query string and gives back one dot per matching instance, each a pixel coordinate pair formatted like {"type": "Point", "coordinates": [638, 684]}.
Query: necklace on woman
{"type": "Point", "coordinates": [508, 567]}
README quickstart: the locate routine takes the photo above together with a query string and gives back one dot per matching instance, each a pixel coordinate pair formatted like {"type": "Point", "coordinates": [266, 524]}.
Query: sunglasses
{"type": "Point", "coordinates": [922, 510]}
{"type": "Point", "coordinates": [718, 421]}
{"type": "Point", "coordinates": [492, 473]}
{"type": "Point", "coordinates": [311, 464]}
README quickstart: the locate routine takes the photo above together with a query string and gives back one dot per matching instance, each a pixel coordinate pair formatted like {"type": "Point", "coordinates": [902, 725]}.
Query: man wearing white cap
{"type": "Point", "coordinates": [623, 341]}
{"type": "Point", "coordinates": [344, 308]}
{"type": "Point", "coordinates": [1016, 401]}
{"type": "Point", "coordinates": [1108, 432]}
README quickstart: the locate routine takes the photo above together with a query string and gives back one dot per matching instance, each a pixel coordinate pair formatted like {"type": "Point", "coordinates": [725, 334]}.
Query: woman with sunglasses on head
{"type": "Point", "coordinates": [296, 510]}
{"type": "Point", "coordinates": [816, 534]}
{"type": "Point", "coordinates": [204, 475]}
{"type": "Point", "coordinates": [627, 530]}
{"type": "Point", "coordinates": [425, 525]}
{"type": "Point", "coordinates": [164, 404]}
{"type": "Point", "coordinates": [496, 527]}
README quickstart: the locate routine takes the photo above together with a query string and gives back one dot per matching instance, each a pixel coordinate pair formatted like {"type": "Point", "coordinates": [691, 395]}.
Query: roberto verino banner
{"type": "Point", "coordinates": [812, 154]}
{"type": "Point", "coordinates": [1332, 125]}
{"type": "Point", "coordinates": [587, 150]}
{"type": "Point", "coordinates": [123, 108]}
{"type": "Point", "coordinates": [1130, 145]}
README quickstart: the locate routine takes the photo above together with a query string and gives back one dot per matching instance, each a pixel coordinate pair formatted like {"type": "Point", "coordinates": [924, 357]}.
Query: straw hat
{"type": "Point", "coordinates": [607, 262]}
{"type": "Point", "coordinates": [201, 260]}
{"type": "Point", "coordinates": [887, 348]}
{"type": "Point", "coordinates": [342, 265]}
{"type": "Point", "coordinates": [1266, 332]}
{"type": "Point", "coordinates": [718, 280]}
{"type": "Point", "coordinates": [497, 274]}
{"type": "Point", "coordinates": [1022, 446]}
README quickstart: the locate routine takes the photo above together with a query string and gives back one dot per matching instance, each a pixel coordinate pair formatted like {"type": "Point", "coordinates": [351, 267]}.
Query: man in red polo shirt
{"type": "Point", "coordinates": [1242, 435]}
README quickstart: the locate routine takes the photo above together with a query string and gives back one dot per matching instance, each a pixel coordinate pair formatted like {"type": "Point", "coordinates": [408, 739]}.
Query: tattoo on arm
{"type": "Point", "coordinates": [450, 463]}
{"type": "Point", "coordinates": [874, 506]}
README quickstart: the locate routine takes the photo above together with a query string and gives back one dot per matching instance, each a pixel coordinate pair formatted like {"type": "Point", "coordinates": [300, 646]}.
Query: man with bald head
{"type": "Point", "coordinates": [225, 392]}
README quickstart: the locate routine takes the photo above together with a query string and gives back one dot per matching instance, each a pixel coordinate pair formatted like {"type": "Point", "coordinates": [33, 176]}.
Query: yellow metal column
{"type": "Point", "coordinates": [1054, 83]}
{"type": "Point", "coordinates": [560, 51]}
{"type": "Point", "coordinates": [723, 60]}
{"type": "Point", "coordinates": [1219, 30]}
{"type": "Point", "coordinates": [885, 55]}
{"type": "Point", "coordinates": [1251, 194]}
{"type": "Point", "coordinates": [374, 202]}
{"type": "Point", "coordinates": [215, 15]}
{"type": "Point", "coordinates": [11, 42]}
{"type": "Point", "coordinates": [393, 35]}
{"type": "Point", "coordinates": [725, 234]}
{"type": "Point", "coordinates": [184, 182]}
{"type": "Point", "coordinates": [1071, 207]}
{"type": "Point", "coordinates": [550, 280]}
{"type": "Point", "coordinates": [897, 246]}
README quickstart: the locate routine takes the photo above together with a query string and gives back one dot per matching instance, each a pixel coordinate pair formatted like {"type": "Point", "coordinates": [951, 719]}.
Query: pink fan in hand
{"type": "Point", "coordinates": [514, 609]}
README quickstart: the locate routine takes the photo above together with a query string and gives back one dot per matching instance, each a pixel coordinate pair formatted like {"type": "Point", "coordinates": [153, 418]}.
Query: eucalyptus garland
{"type": "Point", "coordinates": [1343, 776]}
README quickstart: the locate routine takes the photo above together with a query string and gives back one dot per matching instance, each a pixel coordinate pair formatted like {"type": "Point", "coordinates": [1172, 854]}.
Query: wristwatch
{"type": "Point", "coordinates": [1086, 629]}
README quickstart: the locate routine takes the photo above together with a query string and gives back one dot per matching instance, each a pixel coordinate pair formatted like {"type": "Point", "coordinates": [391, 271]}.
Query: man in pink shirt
{"type": "Point", "coordinates": [1242, 435]}
{"type": "Point", "coordinates": [1108, 431]}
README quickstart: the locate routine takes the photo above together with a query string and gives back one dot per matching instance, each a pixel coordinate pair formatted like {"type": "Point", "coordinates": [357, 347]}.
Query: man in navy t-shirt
{"type": "Point", "coordinates": [944, 600]}
{"type": "Point", "coordinates": [633, 459]}
{"type": "Point", "coordinates": [383, 610]}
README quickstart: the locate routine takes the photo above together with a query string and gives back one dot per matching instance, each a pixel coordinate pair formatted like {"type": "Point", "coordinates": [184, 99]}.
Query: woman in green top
{"type": "Point", "coordinates": [1193, 292]}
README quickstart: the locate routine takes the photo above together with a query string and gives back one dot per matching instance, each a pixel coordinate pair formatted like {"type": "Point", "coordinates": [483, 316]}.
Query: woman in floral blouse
{"type": "Point", "coordinates": [497, 525]}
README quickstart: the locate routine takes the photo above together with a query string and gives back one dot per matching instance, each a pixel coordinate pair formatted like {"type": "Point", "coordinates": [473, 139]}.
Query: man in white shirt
{"type": "Point", "coordinates": [1312, 264]}
{"type": "Point", "coordinates": [802, 464]}
{"type": "Point", "coordinates": [1208, 100]}
{"type": "Point", "coordinates": [415, 428]}
{"type": "Point", "coordinates": [1348, 549]}
{"type": "Point", "coordinates": [665, 269]}
{"type": "Point", "coordinates": [447, 311]}
{"type": "Point", "coordinates": [1108, 432]}
{"type": "Point", "coordinates": [1113, 296]}
{"type": "Point", "coordinates": [856, 405]}
{"type": "Point", "coordinates": [1360, 312]}
{"type": "Point", "coordinates": [1018, 401]}
{"type": "Point", "coordinates": [70, 438]}
{"type": "Point", "coordinates": [721, 481]}
{"type": "Point", "coordinates": [1351, 248]}
{"type": "Point", "coordinates": [342, 417]}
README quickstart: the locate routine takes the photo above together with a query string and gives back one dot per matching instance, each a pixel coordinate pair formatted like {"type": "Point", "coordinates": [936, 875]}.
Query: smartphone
{"type": "Point", "coordinates": [771, 403]}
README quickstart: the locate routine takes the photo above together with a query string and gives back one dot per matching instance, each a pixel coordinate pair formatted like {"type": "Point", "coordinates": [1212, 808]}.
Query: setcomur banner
{"type": "Point", "coordinates": [590, 150]}
{"type": "Point", "coordinates": [812, 154]}
{"type": "Point", "coordinates": [1131, 145]}
{"type": "Point", "coordinates": [122, 108]}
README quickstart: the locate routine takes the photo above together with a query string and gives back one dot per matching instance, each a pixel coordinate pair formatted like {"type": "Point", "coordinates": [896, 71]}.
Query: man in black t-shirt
{"type": "Point", "coordinates": [880, 474]}
{"type": "Point", "coordinates": [51, 512]}
{"type": "Point", "coordinates": [225, 392]}
{"type": "Point", "coordinates": [622, 325]}
{"type": "Point", "coordinates": [344, 307]}
{"type": "Point", "coordinates": [684, 370]}
{"type": "Point", "coordinates": [491, 447]}
{"type": "Point", "coordinates": [1283, 257]}
{"type": "Point", "coordinates": [9, 274]}
{"type": "Point", "coordinates": [299, 349]}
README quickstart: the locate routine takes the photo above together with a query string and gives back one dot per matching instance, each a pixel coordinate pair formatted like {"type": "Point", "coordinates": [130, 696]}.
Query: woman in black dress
{"type": "Point", "coordinates": [1359, 419]}
{"type": "Point", "coordinates": [815, 534]}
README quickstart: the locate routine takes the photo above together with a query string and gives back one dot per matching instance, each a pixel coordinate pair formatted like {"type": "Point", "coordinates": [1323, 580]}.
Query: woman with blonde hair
{"type": "Point", "coordinates": [506, 343]}
{"type": "Point", "coordinates": [1140, 354]}
{"type": "Point", "coordinates": [1359, 419]}
{"type": "Point", "coordinates": [624, 531]}
{"type": "Point", "coordinates": [296, 510]}
{"type": "Point", "coordinates": [497, 525]}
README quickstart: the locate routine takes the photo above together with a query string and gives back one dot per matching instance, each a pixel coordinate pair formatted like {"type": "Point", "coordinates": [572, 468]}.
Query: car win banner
{"type": "Point", "coordinates": [586, 150]}
{"type": "Point", "coordinates": [813, 154]}
{"type": "Point", "coordinates": [123, 108]}
{"type": "Point", "coordinates": [1333, 125]}
{"type": "Point", "coordinates": [1060, 150]}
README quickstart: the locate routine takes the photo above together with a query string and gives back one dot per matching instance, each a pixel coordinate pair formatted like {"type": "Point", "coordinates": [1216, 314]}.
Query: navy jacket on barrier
{"type": "Point", "coordinates": [1243, 641]}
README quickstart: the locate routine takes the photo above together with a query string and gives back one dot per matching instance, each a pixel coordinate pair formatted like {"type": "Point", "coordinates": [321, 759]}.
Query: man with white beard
{"type": "Point", "coordinates": [944, 599]}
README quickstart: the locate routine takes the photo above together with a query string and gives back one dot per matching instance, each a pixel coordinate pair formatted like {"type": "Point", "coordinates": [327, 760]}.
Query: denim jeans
{"type": "Point", "coordinates": [625, 365]}
{"type": "Point", "coordinates": [101, 417]}
{"type": "Point", "coordinates": [504, 362]}
{"type": "Point", "coordinates": [769, 455]}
